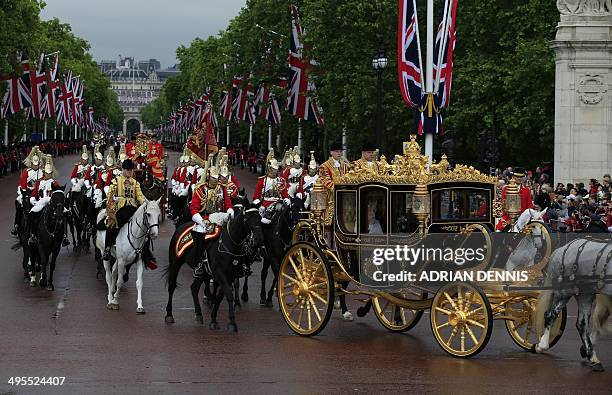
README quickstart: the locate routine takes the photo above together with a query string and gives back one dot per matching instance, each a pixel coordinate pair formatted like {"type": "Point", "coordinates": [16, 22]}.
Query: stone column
{"type": "Point", "coordinates": [583, 105]}
{"type": "Point", "coordinates": [124, 126]}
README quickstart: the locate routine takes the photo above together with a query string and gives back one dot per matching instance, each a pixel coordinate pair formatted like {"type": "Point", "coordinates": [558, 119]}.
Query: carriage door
{"type": "Point", "coordinates": [373, 213]}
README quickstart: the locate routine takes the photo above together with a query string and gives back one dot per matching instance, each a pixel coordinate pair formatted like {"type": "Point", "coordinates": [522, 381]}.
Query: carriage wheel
{"type": "Point", "coordinates": [461, 319]}
{"type": "Point", "coordinates": [522, 328]}
{"type": "Point", "coordinates": [545, 251]}
{"type": "Point", "coordinates": [396, 318]}
{"type": "Point", "coordinates": [305, 289]}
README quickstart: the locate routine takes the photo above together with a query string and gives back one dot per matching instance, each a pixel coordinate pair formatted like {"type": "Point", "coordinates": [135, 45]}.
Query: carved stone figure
{"type": "Point", "coordinates": [585, 7]}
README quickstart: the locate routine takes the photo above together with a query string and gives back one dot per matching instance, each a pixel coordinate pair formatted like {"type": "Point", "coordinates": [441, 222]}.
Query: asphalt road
{"type": "Point", "coordinates": [70, 333]}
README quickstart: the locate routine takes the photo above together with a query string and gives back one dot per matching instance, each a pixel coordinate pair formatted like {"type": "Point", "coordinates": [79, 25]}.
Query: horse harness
{"type": "Point", "coordinates": [573, 277]}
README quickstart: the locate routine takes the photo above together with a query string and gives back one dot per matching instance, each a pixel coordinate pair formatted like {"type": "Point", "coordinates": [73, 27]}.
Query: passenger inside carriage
{"type": "Point", "coordinates": [373, 212]}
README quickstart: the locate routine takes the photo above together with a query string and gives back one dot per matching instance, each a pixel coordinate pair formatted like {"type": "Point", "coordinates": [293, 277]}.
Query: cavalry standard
{"type": "Point", "coordinates": [401, 203]}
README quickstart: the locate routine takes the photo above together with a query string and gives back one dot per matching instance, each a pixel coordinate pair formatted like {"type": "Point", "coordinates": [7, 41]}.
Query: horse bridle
{"type": "Point", "coordinates": [56, 221]}
{"type": "Point", "coordinates": [233, 242]}
{"type": "Point", "coordinates": [146, 227]}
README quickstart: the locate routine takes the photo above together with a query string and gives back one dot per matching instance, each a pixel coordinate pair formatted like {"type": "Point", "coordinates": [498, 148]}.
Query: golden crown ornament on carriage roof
{"type": "Point", "coordinates": [412, 168]}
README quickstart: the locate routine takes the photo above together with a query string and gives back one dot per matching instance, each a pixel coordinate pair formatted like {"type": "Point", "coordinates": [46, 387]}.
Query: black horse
{"type": "Point", "coordinates": [78, 219]}
{"type": "Point", "coordinates": [30, 261]}
{"type": "Point", "coordinates": [50, 231]}
{"type": "Point", "coordinates": [277, 240]}
{"type": "Point", "coordinates": [240, 235]}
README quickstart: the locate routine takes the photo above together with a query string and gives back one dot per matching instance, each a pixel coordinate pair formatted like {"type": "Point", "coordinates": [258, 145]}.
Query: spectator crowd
{"type": "Point", "coordinates": [12, 156]}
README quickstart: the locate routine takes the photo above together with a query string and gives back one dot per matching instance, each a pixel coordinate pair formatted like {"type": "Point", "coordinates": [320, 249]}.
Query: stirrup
{"type": "Point", "coordinates": [65, 242]}
{"type": "Point", "coordinates": [198, 272]}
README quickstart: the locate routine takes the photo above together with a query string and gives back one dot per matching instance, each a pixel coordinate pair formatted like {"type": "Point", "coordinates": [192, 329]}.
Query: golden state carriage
{"type": "Point", "coordinates": [398, 205]}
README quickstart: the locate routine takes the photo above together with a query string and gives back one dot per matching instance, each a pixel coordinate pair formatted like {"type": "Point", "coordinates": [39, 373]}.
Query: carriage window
{"type": "Point", "coordinates": [346, 209]}
{"type": "Point", "coordinates": [460, 204]}
{"type": "Point", "coordinates": [373, 211]}
{"type": "Point", "coordinates": [402, 218]}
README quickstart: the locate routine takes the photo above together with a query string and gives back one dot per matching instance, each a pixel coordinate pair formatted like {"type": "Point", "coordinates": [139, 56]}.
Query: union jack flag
{"type": "Point", "coordinates": [18, 94]}
{"type": "Point", "coordinates": [53, 85]}
{"type": "Point", "coordinates": [299, 99]}
{"type": "Point", "coordinates": [64, 101]}
{"type": "Point", "coordinates": [268, 105]}
{"type": "Point", "coordinates": [409, 53]}
{"type": "Point", "coordinates": [249, 107]}
{"type": "Point", "coordinates": [239, 100]}
{"type": "Point", "coordinates": [226, 105]}
{"type": "Point", "coordinates": [445, 46]}
{"type": "Point", "coordinates": [38, 92]}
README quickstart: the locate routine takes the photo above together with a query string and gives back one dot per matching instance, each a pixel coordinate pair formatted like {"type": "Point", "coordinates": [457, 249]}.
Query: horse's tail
{"type": "Point", "coordinates": [170, 272]}
{"type": "Point", "coordinates": [601, 312]}
{"type": "Point", "coordinates": [544, 303]}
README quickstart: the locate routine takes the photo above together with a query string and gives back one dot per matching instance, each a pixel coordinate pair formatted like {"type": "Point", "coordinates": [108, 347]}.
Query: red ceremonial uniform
{"type": "Point", "coordinates": [26, 181]}
{"type": "Point", "coordinates": [38, 194]}
{"type": "Point", "coordinates": [296, 178]}
{"type": "Point", "coordinates": [270, 190]}
{"type": "Point", "coordinates": [104, 179]}
{"type": "Point", "coordinates": [156, 149]}
{"type": "Point", "coordinates": [84, 170]}
{"type": "Point", "coordinates": [526, 203]}
{"type": "Point", "coordinates": [200, 205]}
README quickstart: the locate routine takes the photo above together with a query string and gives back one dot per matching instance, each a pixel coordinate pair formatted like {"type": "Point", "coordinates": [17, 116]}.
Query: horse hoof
{"type": "Point", "coordinates": [533, 349]}
{"type": "Point", "coordinates": [597, 367]}
{"type": "Point", "coordinates": [237, 305]}
{"type": "Point", "coordinates": [269, 303]}
{"type": "Point", "coordinates": [337, 305]}
{"type": "Point", "coordinates": [213, 326]}
{"type": "Point", "coordinates": [347, 316]}
{"type": "Point", "coordinates": [140, 310]}
{"type": "Point", "coordinates": [262, 302]}
{"type": "Point", "coordinates": [112, 306]}
{"type": "Point", "coordinates": [232, 327]}
{"type": "Point", "coordinates": [42, 283]}
{"type": "Point", "coordinates": [362, 311]}
{"type": "Point", "coordinates": [50, 288]}
{"type": "Point", "coordinates": [199, 319]}
{"type": "Point", "coordinates": [169, 319]}
{"type": "Point", "coordinates": [583, 353]}
{"type": "Point", "coordinates": [32, 284]}
{"type": "Point", "coordinates": [245, 297]}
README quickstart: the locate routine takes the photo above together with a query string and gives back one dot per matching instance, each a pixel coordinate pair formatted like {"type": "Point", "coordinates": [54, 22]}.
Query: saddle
{"type": "Point", "coordinates": [185, 240]}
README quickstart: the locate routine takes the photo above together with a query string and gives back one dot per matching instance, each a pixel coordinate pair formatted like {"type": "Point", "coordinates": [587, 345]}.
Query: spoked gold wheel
{"type": "Point", "coordinates": [461, 319]}
{"type": "Point", "coordinates": [396, 318]}
{"type": "Point", "coordinates": [522, 328]}
{"type": "Point", "coordinates": [305, 289]}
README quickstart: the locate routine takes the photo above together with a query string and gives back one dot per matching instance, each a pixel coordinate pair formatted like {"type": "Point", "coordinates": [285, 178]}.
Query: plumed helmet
{"type": "Point", "coordinates": [85, 154]}
{"type": "Point", "coordinates": [313, 163]}
{"type": "Point", "coordinates": [97, 153]}
{"type": "Point", "coordinates": [122, 153]}
{"type": "Point", "coordinates": [273, 164]}
{"type": "Point", "coordinates": [110, 157]}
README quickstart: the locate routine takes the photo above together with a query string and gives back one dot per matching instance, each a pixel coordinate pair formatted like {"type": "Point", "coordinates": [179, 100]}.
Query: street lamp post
{"type": "Point", "coordinates": [379, 62]}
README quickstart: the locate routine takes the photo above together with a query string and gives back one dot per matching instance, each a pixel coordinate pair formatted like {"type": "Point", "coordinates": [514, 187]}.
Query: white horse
{"type": "Point", "coordinates": [525, 252]}
{"type": "Point", "coordinates": [131, 239]}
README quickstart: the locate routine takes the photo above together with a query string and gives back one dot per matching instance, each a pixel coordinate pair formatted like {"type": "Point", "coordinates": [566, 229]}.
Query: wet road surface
{"type": "Point", "coordinates": [70, 333]}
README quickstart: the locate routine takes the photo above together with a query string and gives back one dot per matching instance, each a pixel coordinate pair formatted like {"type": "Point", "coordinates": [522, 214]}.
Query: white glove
{"type": "Point", "coordinates": [32, 200]}
{"type": "Point", "coordinates": [299, 195]}
{"type": "Point", "coordinates": [287, 201]}
{"type": "Point", "coordinates": [87, 184]}
{"type": "Point", "coordinates": [256, 201]}
{"type": "Point", "coordinates": [173, 182]}
{"type": "Point", "coordinates": [197, 218]}
{"type": "Point", "coordinates": [231, 212]}
{"type": "Point", "coordinates": [73, 181]}
{"type": "Point", "coordinates": [106, 189]}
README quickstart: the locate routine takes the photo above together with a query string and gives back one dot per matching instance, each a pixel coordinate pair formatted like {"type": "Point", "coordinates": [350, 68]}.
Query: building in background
{"type": "Point", "coordinates": [136, 84]}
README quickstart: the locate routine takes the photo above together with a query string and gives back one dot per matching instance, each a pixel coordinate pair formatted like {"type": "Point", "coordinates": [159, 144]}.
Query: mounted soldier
{"type": "Point", "coordinates": [94, 170]}
{"type": "Point", "coordinates": [104, 179]}
{"type": "Point", "coordinates": [79, 172]}
{"type": "Point", "coordinates": [270, 189]}
{"type": "Point", "coordinates": [210, 207]}
{"type": "Point", "coordinates": [41, 196]}
{"type": "Point", "coordinates": [518, 174]}
{"type": "Point", "coordinates": [29, 176]}
{"type": "Point", "coordinates": [310, 179]}
{"type": "Point", "coordinates": [295, 176]}
{"type": "Point", "coordinates": [227, 179]}
{"type": "Point", "coordinates": [123, 199]}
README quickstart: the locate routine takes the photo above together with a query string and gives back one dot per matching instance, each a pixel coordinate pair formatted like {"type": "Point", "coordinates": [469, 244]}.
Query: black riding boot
{"type": "Point", "coordinates": [65, 242]}
{"type": "Point", "coordinates": [18, 214]}
{"type": "Point", "coordinates": [199, 256]}
{"type": "Point", "coordinates": [147, 256]}
{"type": "Point", "coordinates": [34, 218]}
{"type": "Point", "coordinates": [111, 237]}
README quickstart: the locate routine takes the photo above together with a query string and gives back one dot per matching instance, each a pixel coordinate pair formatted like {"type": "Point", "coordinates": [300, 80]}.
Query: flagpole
{"type": "Point", "coordinates": [45, 131]}
{"type": "Point", "coordinates": [299, 141]}
{"type": "Point", "coordinates": [250, 134]}
{"type": "Point", "coordinates": [344, 148]}
{"type": "Point", "coordinates": [6, 132]}
{"type": "Point", "coordinates": [429, 69]}
{"type": "Point", "coordinates": [54, 131]}
{"type": "Point", "coordinates": [227, 133]}
{"type": "Point", "coordinates": [269, 136]}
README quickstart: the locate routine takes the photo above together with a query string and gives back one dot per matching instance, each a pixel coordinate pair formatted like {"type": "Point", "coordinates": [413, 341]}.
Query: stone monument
{"type": "Point", "coordinates": [583, 105]}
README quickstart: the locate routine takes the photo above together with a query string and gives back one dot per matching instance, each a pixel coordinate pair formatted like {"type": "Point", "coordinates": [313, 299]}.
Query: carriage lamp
{"type": "Point", "coordinates": [420, 205]}
{"type": "Point", "coordinates": [512, 201]}
{"type": "Point", "coordinates": [318, 199]}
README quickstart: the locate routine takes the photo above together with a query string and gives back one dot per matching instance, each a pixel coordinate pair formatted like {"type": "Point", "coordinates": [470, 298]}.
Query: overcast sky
{"type": "Point", "coordinates": [143, 29]}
